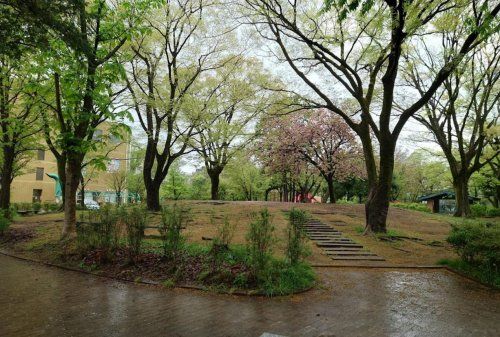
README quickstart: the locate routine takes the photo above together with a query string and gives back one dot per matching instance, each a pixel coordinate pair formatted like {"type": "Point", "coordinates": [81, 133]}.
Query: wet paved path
{"type": "Point", "coordinates": [41, 301]}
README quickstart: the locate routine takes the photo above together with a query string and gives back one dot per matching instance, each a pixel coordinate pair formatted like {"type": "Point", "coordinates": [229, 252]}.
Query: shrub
{"type": "Point", "coordinates": [225, 233]}
{"type": "Point", "coordinates": [480, 210]}
{"type": "Point", "coordinates": [54, 207]}
{"type": "Point", "coordinates": [4, 222]}
{"type": "Point", "coordinates": [260, 241]}
{"type": "Point", "coordinates": [477, 243]}
{"type": "Point", "coordinates": [414, 206]}
{"type": "Point", "coordinates": [50, 206]}
{"type": "Point", "coordinates": [36, 207]}
{"type": "Point", "coordinates": [101, 231]}
{"type": "Point", "coordinates": [135, 219]}
{"type": "Point", "coordinates": [296, 248]}
{"type": "Point", "coordinates": [173, 219]}
{"type": "Point", "coordinates": [221, 241]}
{"type": "Point", "coordinates": [282, 278]}
{"type": "Point", "coordinates": [14, 207]}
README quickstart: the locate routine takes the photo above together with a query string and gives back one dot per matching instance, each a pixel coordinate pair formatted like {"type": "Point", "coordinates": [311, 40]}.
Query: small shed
{"type": "Point", "coordinates": [442, 202]}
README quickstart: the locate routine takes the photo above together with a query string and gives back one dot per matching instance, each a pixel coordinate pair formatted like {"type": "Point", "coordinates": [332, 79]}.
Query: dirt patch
{"type": "Point", "coordinates": [17, 235]}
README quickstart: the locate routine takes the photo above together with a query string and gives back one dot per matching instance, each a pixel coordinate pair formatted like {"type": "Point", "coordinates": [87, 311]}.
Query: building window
{"type": "Point", "coordinates": [39, 173]}
{"type": "Point", "coordinates": [114, 139]}
{"type": "Point", "coordinates": [113, 165]}
{"type": "Point", "coordinates": [97, 136]}
{"type": "Point", "coordinates": [37, 195]}
{"type": "Point", "coordinates": [41, 155]}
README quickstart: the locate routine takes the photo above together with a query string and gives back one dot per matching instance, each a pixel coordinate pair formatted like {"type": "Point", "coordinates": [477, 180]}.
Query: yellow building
{"type": "Point", "coordinates": [36, 186]}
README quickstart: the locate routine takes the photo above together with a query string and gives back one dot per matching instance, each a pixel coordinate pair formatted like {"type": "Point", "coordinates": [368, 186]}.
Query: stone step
{"type": "Point", "coordinates": [335, 249]}
{"type": "Point", "coordinates": [320, 229]}
{"type": "Point", "coordinates": [315, 225]}
{"type": "Point", "coordinates": [335, 240]}
{"type": "Point", "coordinates": [339, 223]}
{"type": "Point", "coordinates": [323, 234]}
{"type": "Point", "coordinates": [358, 258]}
{"type": "Point", "coordinates": [349, 253]}
{"type": "Point", "coordinates": [324, 237]}
{"type": "Point", "coordinates": [338, 244]}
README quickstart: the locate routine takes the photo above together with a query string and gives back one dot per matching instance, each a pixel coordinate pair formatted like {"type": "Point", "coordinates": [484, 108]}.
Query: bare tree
{"type": "Point", "coordinates": [118, 182]}
{"type": "Point", "coordinates": [353, 50]}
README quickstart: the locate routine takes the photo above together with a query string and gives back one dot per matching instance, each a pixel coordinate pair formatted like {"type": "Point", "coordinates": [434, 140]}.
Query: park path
{"type": "Point", "coordinates": [335, 245]}
{"type": "Point", "coordinates": [36, 300]}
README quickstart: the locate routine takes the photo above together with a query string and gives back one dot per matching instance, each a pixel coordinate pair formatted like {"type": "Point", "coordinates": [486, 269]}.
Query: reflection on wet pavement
{"type": "Point", "coordinates": [41, 301]}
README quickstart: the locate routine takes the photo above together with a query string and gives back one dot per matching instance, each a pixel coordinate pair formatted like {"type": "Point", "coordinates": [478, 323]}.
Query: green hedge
{"type": "Point", "coordinates": [479, 210]}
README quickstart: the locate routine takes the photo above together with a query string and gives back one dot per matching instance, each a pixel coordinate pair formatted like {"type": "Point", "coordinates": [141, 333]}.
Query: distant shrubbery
{"type": "Point", "coordinates": [478, 245]}
{"type": "Point", "coordinates": [480, 210]}
{"type": "Point", "coordinates": [414, 206]}
{"type": "Point", "coordinates": [35, 207]}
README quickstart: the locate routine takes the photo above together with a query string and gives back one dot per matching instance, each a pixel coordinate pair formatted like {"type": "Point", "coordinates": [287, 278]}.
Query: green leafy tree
{"type": "Point", "coordinates": [19, 121]}
{"type": "Point", "coordinates": [175, 186]}
{"type": "Point", "coordinates": [19, 105]}
{"type": "Point", "coordinates": [460, 113]}
{"type": "Point", "coordinates": [81, 68]}
{"type": "Point", "coordinates": [233, 97]}
{"type": "Point", "coordinates": [200, 187]}
{"type": "Point", "coordinates": [244, 179]}
{"type": "Point", "coordinates": [420, 173]}
{"type": "Point", "coordinates": [171, 55]}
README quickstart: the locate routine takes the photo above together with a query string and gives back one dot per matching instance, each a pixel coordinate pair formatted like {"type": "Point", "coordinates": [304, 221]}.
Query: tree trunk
{"type": "Point", "coordinates": [331, 191]}
{"type": "Point", "coordinates": [496, 198]}
{"type": "Point", "coordinates": [73, 173]}
{"type": "Point", "coordinates": [377, 204]}
{"type": "Point", "coordinates": [460, 185]}
{"type": "Point", "coordinates": [118, 198]}
{"type": "Point", "coordinates": [82, 191]}
{"type": "Point", "coordinates": [6, 180]}
{"type": "Point", "coordinates": [61, 172]}
{"type": "Point", "coordinates": [214, 183]}
{"type": "Point", "coordinates": [153, 196]}
{"type": "Point", "coordinates": [376, 208]}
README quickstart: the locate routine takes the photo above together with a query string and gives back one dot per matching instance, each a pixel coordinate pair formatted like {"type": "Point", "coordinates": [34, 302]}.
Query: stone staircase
{"type": "Point", "coordinates": [335, 245]}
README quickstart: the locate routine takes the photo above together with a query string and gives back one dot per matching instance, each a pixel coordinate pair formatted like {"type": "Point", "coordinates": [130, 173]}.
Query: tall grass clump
{"type": "Point", "coordinates": [135, 219]}
{"type": "Point", "coordinates": [260, 240]}
{"type": "Point", "coordinates": [173, 219]}
{"type": "Point", "coordinates": [296, 246]}
{"type": "Point", "coordinates": [99, 230]}
{"type": "Point", "coordinates": [225, 233]}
